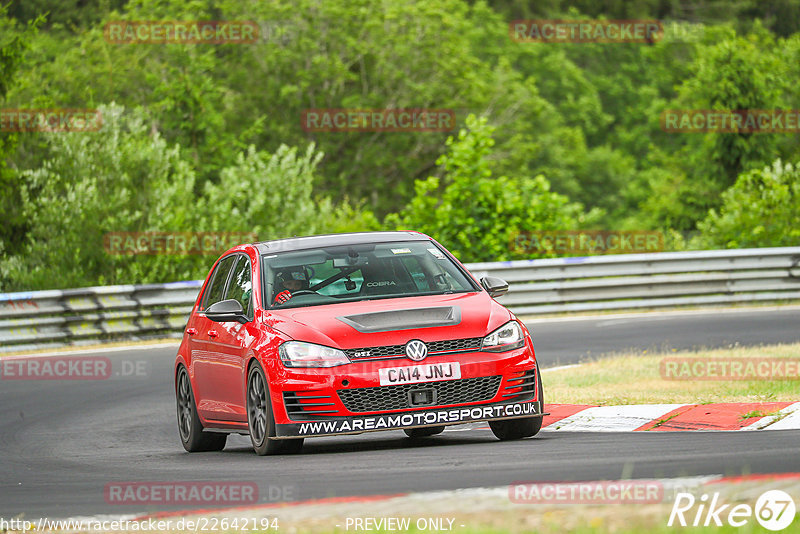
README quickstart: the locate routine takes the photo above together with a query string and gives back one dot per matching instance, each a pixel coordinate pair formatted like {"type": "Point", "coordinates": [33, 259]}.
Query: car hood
{"type": "Point", "coordinates": [393, 321]}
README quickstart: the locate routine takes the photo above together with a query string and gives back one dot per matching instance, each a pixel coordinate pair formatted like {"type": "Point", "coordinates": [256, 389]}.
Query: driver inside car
{"type": "Point", "coordinates": [290, 281]}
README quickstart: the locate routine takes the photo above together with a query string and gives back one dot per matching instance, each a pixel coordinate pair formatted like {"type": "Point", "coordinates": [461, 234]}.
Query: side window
{"type": "Point", "coordinates": [241, 285]}
{"type": "Point", "coordinates": [216, 288]}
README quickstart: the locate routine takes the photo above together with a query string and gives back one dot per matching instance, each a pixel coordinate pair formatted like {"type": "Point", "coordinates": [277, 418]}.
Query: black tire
{"type": "Point", "coordinates": [193, 438]}
{"type": "Point", "coordinates": [424, 432]}
{"type": "Point", "coordinates": [260, 419]}
{"type": "Point", "coordinates": [523, 427]}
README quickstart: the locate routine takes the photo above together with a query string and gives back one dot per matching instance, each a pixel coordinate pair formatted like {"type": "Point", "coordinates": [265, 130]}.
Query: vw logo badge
{"type": "Point", "coordinates": [416, 350]}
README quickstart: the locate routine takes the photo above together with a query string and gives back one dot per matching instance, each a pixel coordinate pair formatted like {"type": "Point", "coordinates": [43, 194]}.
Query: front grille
{"type": "Point", "coordinates": [434, 347]}
{"type": "Point", "coordinates": [473, 343]}
{"type": "Point", "coordinates": [297, 403]}
{"type": "Point", "coordinates": [521, 386]}
{"type": "Point", "coordinates": [383, 398]}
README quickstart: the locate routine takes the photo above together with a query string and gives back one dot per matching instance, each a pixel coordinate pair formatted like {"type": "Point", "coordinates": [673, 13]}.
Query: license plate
{"type": "Point", "coordinates": [415, 374]}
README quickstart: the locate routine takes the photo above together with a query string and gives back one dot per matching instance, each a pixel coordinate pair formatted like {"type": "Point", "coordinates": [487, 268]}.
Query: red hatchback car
{"type": "Point", "coordinates": [350, 333]}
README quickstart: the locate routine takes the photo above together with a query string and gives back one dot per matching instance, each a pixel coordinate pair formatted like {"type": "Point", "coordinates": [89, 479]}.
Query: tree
{"type": "Point", "coordinates": [736, 73]}
{"type": "Point", "coordinates": [64, 13]}
{"type": "Point", "coordinates": [477, 216]}
{"type": "Point", "coordinates": [271, 195]}
{"type": "Point", "coordinates": [761, 210]}
{"type": "Point", "coordinates": [14, 41]}
{"type": "Point", "coordinates": [122, 178]}
{"type": "Point", "coordinates": [127, 178]}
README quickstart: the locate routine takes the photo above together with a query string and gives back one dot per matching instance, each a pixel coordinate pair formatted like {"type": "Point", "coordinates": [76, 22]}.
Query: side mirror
{"type": "Point", "coordinates": [226, 310]}
{"type": "Point", "coordinates": [494, 286]}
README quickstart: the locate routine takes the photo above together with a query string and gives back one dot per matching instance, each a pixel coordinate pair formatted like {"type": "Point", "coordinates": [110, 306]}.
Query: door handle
{"type": "Point", "coordinates": [191, 331]}
{"type": "Point", "coordinates": [212, 333]}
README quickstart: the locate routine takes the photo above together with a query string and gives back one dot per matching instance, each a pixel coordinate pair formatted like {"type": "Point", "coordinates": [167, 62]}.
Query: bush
{"type": "Point", "coordinates": [762, 209]}
{"type": "Point", "coordinates": [476, 216]}
{"type": "Point", "coordinates": [125, 178]}
{"type": "Point", "coordinates": [121, 178]}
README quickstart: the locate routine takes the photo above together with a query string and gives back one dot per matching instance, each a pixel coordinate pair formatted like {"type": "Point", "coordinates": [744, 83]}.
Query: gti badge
{"type": "Point", "coordinates": [416, 350]}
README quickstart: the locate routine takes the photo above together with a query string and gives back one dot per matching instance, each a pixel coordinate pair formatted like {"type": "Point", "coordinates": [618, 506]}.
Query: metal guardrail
{"type": "Point", "coordinates": [595, 283]}
{"type": "Point", "coordinates": [39, 319]}
{"type": "Point", "coordinates": [635, 281]}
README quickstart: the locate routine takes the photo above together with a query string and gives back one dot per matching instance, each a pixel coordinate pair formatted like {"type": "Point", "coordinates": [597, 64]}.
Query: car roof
{"type": "Point", "coordinates": [333, 240]}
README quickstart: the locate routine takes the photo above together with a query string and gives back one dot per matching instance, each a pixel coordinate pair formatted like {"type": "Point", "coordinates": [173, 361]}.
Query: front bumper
{"type": "Point", "coordinates": [415, 419]}
{"type": "Point", "coordinates": [350, 398]}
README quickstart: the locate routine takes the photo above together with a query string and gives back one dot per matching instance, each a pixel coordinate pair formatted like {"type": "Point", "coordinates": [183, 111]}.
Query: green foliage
{"type": "Point", "coordinates": [346, 217]}
{"type": "Point", "coordinates": [271, 196]}
{"type": "Point", "coordinates": [780, 16]}
{"type": "Point", "coordinates": [122, 178]}
{"type": "Point", "coordinates": [72, 14]}
{"type": "Point", "coordinates": [14, 41]}
{"type": "Point", "coordinates": [762, 208]}
{"type": "Point", "coordinates": [735, 74]}
{"type": "Point", "coordinates": [127, 178]}
{"type": "Point", "coordinates": [728, 72]}
{"type": "Point", "coordinates": [475, 216]}
{"type": "Point", "coordinates": [218, 126]}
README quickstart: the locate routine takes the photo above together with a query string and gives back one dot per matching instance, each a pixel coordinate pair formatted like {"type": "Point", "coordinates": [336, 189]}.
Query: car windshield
{"type": "Point", "coordinates": [360, 272]}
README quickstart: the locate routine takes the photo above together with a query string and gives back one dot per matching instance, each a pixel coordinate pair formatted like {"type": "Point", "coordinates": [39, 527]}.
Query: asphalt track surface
{"type": "Point", "coordinates": [61, 442]}
{"type": "Point", "coordinates": [562, 342]}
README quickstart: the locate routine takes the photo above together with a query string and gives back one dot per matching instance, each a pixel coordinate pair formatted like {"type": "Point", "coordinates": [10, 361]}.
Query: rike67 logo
{"type": "Point", "coordinates": [774, 510]}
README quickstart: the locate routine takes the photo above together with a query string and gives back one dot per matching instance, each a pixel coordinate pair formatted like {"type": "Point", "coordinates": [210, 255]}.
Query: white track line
{"type": "Point", "coordinates": [786, 419]}
{"type": "Point", "coordinates": [612, 418]}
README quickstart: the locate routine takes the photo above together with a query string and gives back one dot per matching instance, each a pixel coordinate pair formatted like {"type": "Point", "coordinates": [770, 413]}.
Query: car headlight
{"type": "Point", "coordinates": [301, 354]}
{"type": "Point", "coordinates": [507, 337]}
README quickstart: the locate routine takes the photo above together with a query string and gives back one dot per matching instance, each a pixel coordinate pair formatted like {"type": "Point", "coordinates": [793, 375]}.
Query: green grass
{"type": "Point", "coordinates": [635, 378]}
